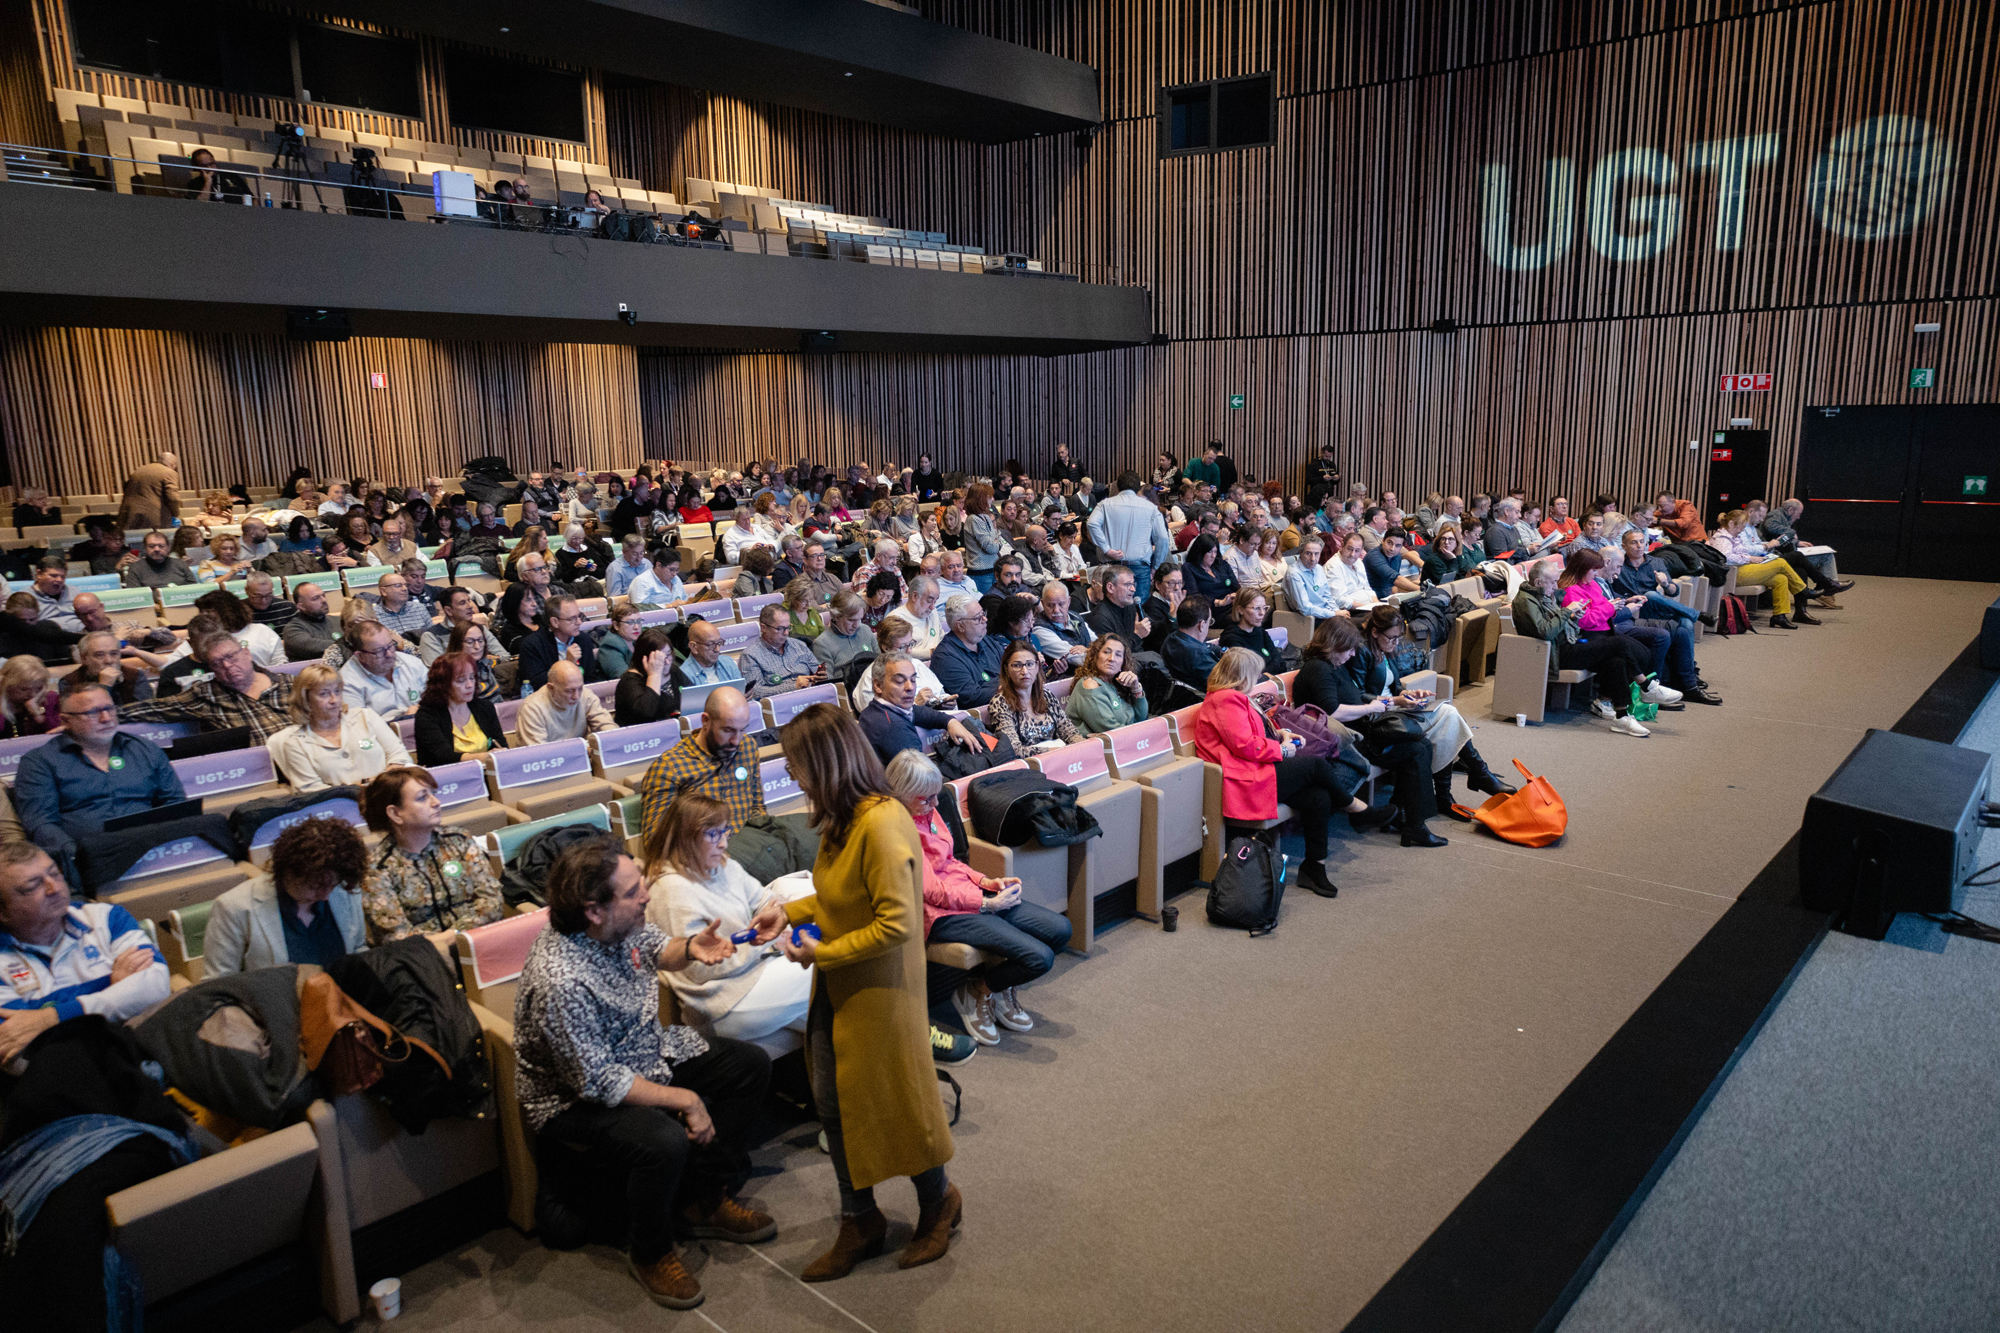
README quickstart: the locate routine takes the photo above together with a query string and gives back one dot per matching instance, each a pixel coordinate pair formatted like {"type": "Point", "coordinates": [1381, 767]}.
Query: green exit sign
{"type": "Point", "coordinates": [1924, 378]}
{"type": "Point", "coordinates": [1974, 486]}
{"type": "Point", "coordinates": [1235, 401]}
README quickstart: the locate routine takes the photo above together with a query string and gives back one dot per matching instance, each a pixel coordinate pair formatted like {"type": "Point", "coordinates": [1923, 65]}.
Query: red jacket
{"type": "Point", "coordinates": [1230, 731]}
{"type": "Point", "coordinates": [1684, 524]}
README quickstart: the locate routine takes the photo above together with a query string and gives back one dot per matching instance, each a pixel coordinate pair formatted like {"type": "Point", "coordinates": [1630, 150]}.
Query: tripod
{"type": "Point", "coordinates": [290, 164]}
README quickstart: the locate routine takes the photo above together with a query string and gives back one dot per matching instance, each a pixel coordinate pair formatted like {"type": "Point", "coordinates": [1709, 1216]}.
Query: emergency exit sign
{"type": "Point", "coordinates": [1923, 378]}
{"type": "Point", "coordinates": [1758, 383]}
{"type": "Point", "coordinates": [1974, 486]}
{"type": "Point", "coordinates": [1235, 401]}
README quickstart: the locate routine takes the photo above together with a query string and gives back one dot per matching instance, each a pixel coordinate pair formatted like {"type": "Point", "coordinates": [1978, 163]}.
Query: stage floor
{"type": "Point", "coordinates": [1212, 1132]}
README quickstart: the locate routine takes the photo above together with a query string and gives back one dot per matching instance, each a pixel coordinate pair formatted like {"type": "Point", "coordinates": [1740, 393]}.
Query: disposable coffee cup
{"type": "Point", "coordinates": [388, 1297]}
{"type": "Point", "coordinates": [1520, 719]}
{"type": "Point", "coordinates": [1170, 918]}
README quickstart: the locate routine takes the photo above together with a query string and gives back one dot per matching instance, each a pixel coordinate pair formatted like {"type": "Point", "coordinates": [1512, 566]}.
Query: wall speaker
{"type": "Point", "coordinates": [1895, 829]}
{"type": "Point", "coordinates": [312, 325]}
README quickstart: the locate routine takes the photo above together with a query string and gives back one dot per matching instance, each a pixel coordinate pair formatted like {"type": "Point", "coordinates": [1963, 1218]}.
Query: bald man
{"type": "Point", "coordinates": [561, 710]}
{"type": "Point", "coordinates": [719, 760]}
{"type": "Point", "coordinates": [149, 495]}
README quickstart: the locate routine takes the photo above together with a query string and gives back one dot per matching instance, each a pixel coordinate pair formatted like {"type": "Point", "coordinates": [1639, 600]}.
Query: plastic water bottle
{"type": "Point", "coordinates": [268, 202]}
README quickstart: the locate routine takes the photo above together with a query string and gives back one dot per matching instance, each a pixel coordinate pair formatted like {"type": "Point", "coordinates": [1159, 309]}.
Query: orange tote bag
{"type": "Point", "coordinates": [1534, 816]}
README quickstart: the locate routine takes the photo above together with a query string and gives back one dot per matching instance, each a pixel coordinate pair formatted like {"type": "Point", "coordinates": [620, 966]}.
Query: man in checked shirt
{"type": "Point", "coordinates": [237, 695]}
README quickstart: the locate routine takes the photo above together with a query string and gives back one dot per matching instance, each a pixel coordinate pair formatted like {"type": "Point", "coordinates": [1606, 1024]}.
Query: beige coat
{"type": "Point", "coordinates": [869, 909]}
{"type": "Point", "coordinates": [149, 497]}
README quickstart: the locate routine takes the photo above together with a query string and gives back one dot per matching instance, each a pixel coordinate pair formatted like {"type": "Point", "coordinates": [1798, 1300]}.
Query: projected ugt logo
{"type": "Point", "coordinates": [1873, 181]}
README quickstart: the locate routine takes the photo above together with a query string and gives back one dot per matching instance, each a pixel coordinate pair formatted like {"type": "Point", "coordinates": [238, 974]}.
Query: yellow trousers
{"type": "Point", "coordinates": [1782, 580]}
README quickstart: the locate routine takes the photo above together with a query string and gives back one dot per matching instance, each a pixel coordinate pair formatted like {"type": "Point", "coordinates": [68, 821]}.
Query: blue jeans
{"type": "Point", "coordinates": [1657, 643]}
{"type": "Point", "coordinates": [1025, 936]}
{"type": "Point", "coordinates": [1666, 608]}
{"type": "Point", "coordinates": [982, 579]}
{"type": "Point", "coordinates": [1142, 582]}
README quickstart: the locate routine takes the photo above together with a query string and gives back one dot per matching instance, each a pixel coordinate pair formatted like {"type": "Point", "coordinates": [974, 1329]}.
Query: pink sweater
{"type": "Point", "coordinates": [951, 887]}
{"type": "Point", "coordinates": [1600, 607]}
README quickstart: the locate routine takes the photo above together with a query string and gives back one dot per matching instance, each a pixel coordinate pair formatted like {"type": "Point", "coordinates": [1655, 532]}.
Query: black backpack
{"type": "Point", "coordinates": [1249, 887]}
{"type": "Point", "coordinates": [526, 881]}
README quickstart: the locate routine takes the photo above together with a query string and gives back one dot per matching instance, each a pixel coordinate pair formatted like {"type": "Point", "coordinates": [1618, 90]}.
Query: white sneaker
{"type": "Point", "coordinates": [976, 1012]}
{"type": "Point", "coordinates": [1629, 726]}
{"type": "Point", "coordinates": [1603, 708]}
{"type": "Point", "coordinates": [1007, 1011]}
{"type": "Point", "coordinates": [1656, 693]}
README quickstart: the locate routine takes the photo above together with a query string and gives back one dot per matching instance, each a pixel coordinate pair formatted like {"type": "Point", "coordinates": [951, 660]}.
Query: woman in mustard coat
{"type": "Point", "coordinates": [868, 1045]}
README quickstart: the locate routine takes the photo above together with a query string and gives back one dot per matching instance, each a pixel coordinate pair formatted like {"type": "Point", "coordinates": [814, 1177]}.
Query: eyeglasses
{"type": "Point", "coordinates": [718, 835]}
{"type": "Point", "coordinates": [108, 710]}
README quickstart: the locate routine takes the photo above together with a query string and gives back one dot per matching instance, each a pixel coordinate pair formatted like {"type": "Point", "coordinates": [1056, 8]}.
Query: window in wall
{"type": "Point", "coordinates": [209, 45]}
{"type": "Point", "coordinates": [1217, 117]}
{"type": "Point", "coordinates": [492, 93]}
{"type": "Point", "coordinates": [360, 69]}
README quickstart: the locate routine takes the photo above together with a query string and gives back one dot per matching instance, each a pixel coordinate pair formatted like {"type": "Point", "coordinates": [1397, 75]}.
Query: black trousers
{"type": "Point", "coordinates": [1312, 787]}
{"type": "Point", "coordinates": [647, 1147]}
{"type": "Point", "coordinates": [1804, 568]}
{"type": "Point", "coordinates": [1616, 660]}
{"type": "Point", "coordinates": [1408, 763]}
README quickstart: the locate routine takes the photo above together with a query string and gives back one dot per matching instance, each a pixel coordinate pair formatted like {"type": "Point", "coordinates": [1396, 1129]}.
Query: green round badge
{"type": "Point", "coordinates": [116, 762]}
{"type": "Point", "coordinates": [453, 870]}
{"type": "Point", "coordinates": [367, 744]}
{"type": "Point", "coordinates": [414, 695]}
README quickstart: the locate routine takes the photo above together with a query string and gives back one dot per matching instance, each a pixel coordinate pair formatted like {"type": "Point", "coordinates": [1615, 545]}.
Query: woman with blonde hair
{"type": "Point", "coordinates": [27, 704]}
{"type": "Point", "coordinates": [868, 1047]}
{"type": "Point", "coordinates": [215, 512]}
{"type": "Point", "coordinates": [1262, 766]}
{"type": "Point", "coordinates": [330, 744]}
{"type": "Point", "coordinates": [685, 858]}
{"type": "Point", "coordinates": [802, 601]}
{"type": "Point", "coordinates": [225, 560]}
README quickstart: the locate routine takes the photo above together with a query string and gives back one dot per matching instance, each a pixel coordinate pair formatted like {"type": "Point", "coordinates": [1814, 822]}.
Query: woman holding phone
{"type": "Point", "coordinates": [961, 906]}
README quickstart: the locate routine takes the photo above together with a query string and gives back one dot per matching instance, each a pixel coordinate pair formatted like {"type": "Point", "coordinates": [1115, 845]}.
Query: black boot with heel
{"type": "Point", "coordinates": [1478, 776]}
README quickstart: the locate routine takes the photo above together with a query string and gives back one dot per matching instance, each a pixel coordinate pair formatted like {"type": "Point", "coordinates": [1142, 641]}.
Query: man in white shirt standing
{"type": "Point", "coordinates": [1128, 529]}
{"type": "Point", "coordinates": [377, 676]}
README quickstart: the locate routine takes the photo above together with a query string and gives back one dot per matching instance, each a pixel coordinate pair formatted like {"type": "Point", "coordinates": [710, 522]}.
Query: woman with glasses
{"type": "Point", "coordinates": [685, 858]}
{"type": "Point", "coordinates": [328, 743]}
{"type": "Point", "coordinates": [1246, 630]}
{"type": "Point", "coordinates": [1021, 713]}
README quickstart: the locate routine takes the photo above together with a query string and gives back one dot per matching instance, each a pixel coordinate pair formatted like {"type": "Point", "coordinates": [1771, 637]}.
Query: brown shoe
{"type": "Point", "coordinates": [860, 1238]}
{"type": "Point", "coordinates": [934, 1228]}
{"type": "Point", "coordinates": [1826, 603]}
{"type": "Point", "coordinates": [729, 1220]}
{"type": "Point", "coordinates": [667, 1282]}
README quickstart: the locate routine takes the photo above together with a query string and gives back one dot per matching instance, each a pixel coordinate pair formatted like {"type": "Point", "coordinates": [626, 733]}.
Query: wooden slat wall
{"type": "Point", "coordinates": [52, 23]}
{"type": "Point", "coordinates": [1306, 276]}
{"type": "Point", "coordinates": [1577, 407]}
{"type": "Point", "coordinates": [83, 407]}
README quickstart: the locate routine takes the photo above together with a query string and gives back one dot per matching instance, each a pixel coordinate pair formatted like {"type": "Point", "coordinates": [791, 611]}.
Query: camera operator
{"type": "Point", "coordinates": [207, 183]}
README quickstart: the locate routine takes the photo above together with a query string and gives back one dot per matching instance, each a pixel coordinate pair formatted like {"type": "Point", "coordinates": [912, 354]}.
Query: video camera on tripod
{"type": "Point", "coordinates": [290, 164]}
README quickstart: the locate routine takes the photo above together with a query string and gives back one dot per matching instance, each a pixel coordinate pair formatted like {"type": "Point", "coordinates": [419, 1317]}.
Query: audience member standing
{"type": "Point", "coordinates": [150, 500]}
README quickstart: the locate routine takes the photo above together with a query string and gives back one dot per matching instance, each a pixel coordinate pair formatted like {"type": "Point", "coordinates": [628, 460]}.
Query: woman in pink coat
{"type": "Point", "coordinates": [1262, 766]}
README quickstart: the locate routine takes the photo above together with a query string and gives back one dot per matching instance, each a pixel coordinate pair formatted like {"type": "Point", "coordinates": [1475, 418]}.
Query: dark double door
{"type": "Point", "coordinates": [1896, 490]}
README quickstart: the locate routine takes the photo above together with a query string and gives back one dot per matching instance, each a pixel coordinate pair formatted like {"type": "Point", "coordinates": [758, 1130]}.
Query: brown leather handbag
{"type": "Point", "coordinates": [343, 1043]}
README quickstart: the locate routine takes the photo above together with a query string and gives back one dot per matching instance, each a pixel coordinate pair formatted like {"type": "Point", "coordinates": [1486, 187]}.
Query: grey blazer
{"type": "Point", "coordinates": [246, 933]}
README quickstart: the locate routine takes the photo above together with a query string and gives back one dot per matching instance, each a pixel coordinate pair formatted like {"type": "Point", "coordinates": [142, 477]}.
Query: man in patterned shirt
{"type": "Point", "coordinates": [597, 1073]}
{"type": "Point", "coordinates": [237, 695]}
{"type": "Point", "coordinates": [715, 761]}
{"type": "Point", "coordinates": [426, 878]}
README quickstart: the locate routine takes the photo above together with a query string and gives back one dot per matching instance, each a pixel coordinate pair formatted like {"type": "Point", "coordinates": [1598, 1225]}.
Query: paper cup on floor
{"type": "Point", "coordinates": [1520, 719]}
{"type": "Point", "coordinates": [388, 1297]}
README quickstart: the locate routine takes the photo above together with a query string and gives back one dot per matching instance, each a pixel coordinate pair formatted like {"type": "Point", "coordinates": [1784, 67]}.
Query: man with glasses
{"type": "Point", "coordinates": [397, 610]}
{"type": "Point", "coordinates": [893, 720]}
{"type": "Point", "coordinates": [377, 675]}
{"type": "Point", "coordinates": [236, 695]}
{"type": "Point", "coordinates": [967, 662]}
{"type": "Point", "coordinates": [559, 640]}
{"type": "Point", "coordinates": [775, 662]}
{"type": "Point", "coordinates": [460, 608]}
{"type": "Point", "coordinates": [952, 578]}
{"type": "Point", "coordinates": [66, 789]}
{"type": "Point", "coordinates": [706, 664]}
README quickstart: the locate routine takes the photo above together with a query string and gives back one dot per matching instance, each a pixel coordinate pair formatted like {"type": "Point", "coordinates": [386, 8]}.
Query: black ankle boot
{"type": "Point", "coordinates": [1478, 776]}
{"type": "Point", "coordinates": [1374, 817]}
{"type": "Point", "coordinates": [1313, 875]}
{"type": "Point", "coordinates": [1447, 804]}
{"type": "Point", "coordinates": [1419, 836]}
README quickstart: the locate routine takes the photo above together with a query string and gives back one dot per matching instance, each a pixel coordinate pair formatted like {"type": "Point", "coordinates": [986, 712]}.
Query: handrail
{"type": "Point", "coordinates": [554, 218]}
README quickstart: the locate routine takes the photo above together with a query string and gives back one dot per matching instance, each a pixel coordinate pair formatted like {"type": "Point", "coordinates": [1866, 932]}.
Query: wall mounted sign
{"type": "Point", "coordinates": [1758, 383]}
{"type": "Point", "coordinates": [1925, 378]}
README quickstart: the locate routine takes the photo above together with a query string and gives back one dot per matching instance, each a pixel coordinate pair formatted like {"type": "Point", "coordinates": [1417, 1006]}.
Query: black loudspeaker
{"type": "Point", "coordinates": [310, 325]}
{"type": "Point", "coordinates": [1895, 829]}
{"type": "Point", "coordinates": [1738, 461]}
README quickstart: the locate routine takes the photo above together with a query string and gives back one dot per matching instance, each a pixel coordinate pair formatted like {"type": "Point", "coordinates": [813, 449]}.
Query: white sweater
{"type": "Point", "coordinates": [367, 746]}
{"type": "Point", "coordinates": [682, 905]}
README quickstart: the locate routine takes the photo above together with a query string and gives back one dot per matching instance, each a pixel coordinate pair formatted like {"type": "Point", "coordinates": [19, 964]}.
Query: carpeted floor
{"type": "Point", "coordinates": [1212, 1132]}
{"type": "Point", "coordinates": [1843, 1176]}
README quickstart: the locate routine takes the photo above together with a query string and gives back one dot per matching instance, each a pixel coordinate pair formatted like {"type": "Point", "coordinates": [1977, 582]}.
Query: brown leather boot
{"type": "Point", "coordinates": [667, 1282]}
{"type": "Point", "coordinates": [860, 1238]}
{"type": "Point", "coordinates": [934, 1228]}
{"type": "Point", "coordinates": [728, 1220]}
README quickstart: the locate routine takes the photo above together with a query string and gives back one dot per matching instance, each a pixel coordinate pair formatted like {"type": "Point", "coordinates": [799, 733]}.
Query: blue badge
{"type": "Point", "coordinates": [90, 952]}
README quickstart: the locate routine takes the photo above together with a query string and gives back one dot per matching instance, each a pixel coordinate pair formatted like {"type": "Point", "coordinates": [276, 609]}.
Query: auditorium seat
{"type": "Point", "coordinates": [551, 779]}
{"type": "Point", "coordinates": [622, 754]}
{"type": "Point", "coordinates": [1526, 682]}
{"type": "Point", "coordinates": [1110, 859]}
{"type": "Point", "coordinates": [172, 875]}
{"type": "Point", "coordinates": [1170, 810]}
{"type": "Point", "coordinates": [503, 845]}
{"type": "Point", "coordinates": [461, 791]}
{"type": "Point", "coordinates": [181, 937]}
{"type": "Point", "coordinates": [1045, 872]}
